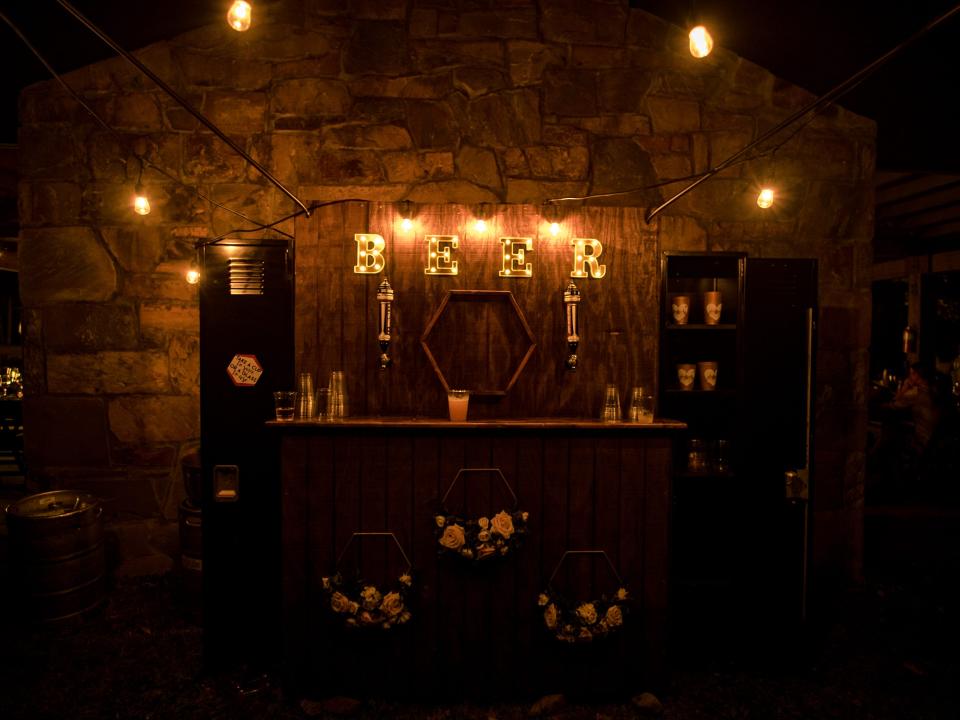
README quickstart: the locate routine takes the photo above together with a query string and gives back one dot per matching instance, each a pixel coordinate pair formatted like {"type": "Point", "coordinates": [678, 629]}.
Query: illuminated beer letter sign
{"type": "Point", "coordinates": [515, 251]}
{"type": "Point", "coordinates": [369, 253]}
{"type": "Point", "coordinates": [585, 254]}
{"type": "Point", "coordinates": [439, 248]}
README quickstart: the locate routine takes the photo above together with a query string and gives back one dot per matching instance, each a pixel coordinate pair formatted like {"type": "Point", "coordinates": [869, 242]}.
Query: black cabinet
{"type": "Point", "coordinates": [738, 543]}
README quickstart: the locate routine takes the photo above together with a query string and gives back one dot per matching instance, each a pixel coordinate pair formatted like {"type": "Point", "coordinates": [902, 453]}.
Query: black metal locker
{"type": "Point", "coordinates": [246, 353]}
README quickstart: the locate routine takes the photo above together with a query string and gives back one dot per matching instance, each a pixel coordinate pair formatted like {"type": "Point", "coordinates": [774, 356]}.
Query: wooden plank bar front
{"type": "Point", "coordinates": [477, 632]}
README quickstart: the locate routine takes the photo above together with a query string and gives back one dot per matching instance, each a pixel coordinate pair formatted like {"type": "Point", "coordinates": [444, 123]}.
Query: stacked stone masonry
{"type": "Point", "coordinates": [463, 101]}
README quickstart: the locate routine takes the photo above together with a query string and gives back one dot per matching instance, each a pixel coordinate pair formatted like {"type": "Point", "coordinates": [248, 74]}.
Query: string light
{"type": "Point", "coordinates": [701, 42]}
{"type": "Point", "coordinates": [480, 225]}
{"type": "Point", "coordinates": [141, 203]}
{"type": "Point", "coordinates": [193, 273]}
{"type": "Point", "coordinates": [406, 212]}
{"type": "Point", "coordinates": [554, 228]}
{"type": "Point", "coordinates": [240, 15]}
{"type": "Point", "coordinates": [765, 198]}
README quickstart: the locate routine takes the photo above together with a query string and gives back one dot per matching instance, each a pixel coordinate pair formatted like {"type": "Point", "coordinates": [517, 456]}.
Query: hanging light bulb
{"type": "Point", "coordinates": [141, 203]}
{"type": "Point", "coordinates": [765, 198]}
{"type": "Point", "coordinates": [193, 273]}
{"type": "Point", "coordinates": [554, 228]}
{"type": "Point", "coordinates": [240, 15]}
{"type": "Point", "coordinates": [480, 225]}
{"type": "Point", "coordinates": [701, 43]}
{"type": "Point", "coordinates": [406, 212]}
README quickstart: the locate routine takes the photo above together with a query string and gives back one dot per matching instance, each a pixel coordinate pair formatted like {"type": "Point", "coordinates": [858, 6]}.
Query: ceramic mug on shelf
{"type": "Point", "coordinates": [686, 373]}
{"type": "Point", "coordinates": [712, 307]}
{"type": "Point", "coordinates": [708, 375]}
{"type": "Point", "coordinates": [680, 306]}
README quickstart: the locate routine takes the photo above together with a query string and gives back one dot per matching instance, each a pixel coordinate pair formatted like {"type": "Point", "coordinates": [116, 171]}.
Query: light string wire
{"type": "Point", "coordinates": [811, 109]}
{"type": "Point", "coordinates": [144, 161]}
{"type": "Point", "coordinates": [180, 100]}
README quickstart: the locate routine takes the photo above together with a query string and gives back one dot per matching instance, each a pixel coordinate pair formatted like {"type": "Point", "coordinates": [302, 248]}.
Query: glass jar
{"type": "Point", "coordinates": [698, 457]}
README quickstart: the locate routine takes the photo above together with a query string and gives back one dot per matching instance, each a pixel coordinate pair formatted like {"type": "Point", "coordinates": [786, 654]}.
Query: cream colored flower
{"type": "Point", "coordinates": [502, 524]}
{"type": "Point", "coordinates": [352, 607]}
{"type": "Point", "coordinates": [452, 537]}
{"type": "Point", "coordinates": [406, 579]}
{"type": "Point", "coordinates": [550, 616]}
{"type": "Point", "coordinates": [441, 520]}
{"type": "Point", "coordinates": [543, 599]}
{"type": "Point", "coordinates": [326, 583]}
{"type": "Point", "coordinates": [339, 602]}
{"type": "Point", "coordinates": [392, 604]}
{"type": "Point", "coordinates": [484, 523]}
{"type": "Point", "coordinates": [371, 597]}
{"type": "Point", "coordinates": [622, 594]}
{"type": "Point", "coordinates": [404, 616]}
{"type": "Point", "coordinates": [587, 613]}
{"type": "Point", "coordinates": [484, 551]}
{"type": "Point", "coordinates": [585, 634]}
{"type": "Point", "coordinates": [467, 553]}
{"type": "Point", "coordinates": [524, 516]}
{"type": "Point", "coordinates": [614, 616]}
{"type": "Point", "coordinates": [483, 536]}
{"type": "Point", "coordinates": [366, 618]}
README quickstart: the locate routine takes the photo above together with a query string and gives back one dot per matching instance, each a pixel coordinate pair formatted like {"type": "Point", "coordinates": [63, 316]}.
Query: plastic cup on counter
{"type": "Point", "coordinates": [458, 402]}
{"type": "Point", "coordinates": [284, 403]}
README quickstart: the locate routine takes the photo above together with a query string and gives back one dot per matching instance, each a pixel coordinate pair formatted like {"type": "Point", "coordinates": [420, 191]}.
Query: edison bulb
{"type": "Point", "coordinates": [406, 224]}
{"type": "Point", "coordinates": [765, 198]}
{"type": "Point", "coordinates": [554, 228]}
{"type": "Point", "coordinates": [481, 226]}
{"type": "Point", "coordinates": [141, 204]}
{"type": "Point", "coordinates": [240, 15]}
{"type": "Point", "coordinates": [701, 43]}
{"type": "Point", "coordinates": [193, 275]}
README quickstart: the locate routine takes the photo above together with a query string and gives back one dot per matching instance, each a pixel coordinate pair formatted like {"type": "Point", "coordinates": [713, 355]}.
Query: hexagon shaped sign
{"type": "Point", "coordinates": [478, 340]}
{"type": "Point", "coordinates": [244, 370]}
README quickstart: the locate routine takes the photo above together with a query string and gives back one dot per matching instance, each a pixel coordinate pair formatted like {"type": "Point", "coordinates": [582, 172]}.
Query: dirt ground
{"type": "Point", "coordinates": [890, 652]}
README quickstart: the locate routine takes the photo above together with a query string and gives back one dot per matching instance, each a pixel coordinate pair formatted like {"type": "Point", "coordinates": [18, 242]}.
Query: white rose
{"type": "Point", "coordinates": [483, 523]}
{"type": "Point", "coordinates": [503, 524]}
{"type": "Point", "coordinates": [452, 537]}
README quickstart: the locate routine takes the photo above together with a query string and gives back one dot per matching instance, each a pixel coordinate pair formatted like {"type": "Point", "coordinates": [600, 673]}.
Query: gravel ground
{"type": "Point", "coordinates": [890, 652]}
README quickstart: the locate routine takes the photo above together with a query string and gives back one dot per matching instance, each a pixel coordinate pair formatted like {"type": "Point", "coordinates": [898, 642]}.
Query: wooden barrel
{"type": "Point", "coordinates": [57, 554]}
{"type": "Point", "coordinates": [191, 550]}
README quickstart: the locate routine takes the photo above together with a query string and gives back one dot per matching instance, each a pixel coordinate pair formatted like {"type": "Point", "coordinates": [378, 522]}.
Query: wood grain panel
{"type": "Point", "coordinates": [337, 328]}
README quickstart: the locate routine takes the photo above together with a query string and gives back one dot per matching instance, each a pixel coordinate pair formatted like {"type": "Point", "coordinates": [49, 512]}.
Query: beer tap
{"type": "Point", "coordinates": [571, 299]}
{"type": "Point", "coordinates": [385, 298]}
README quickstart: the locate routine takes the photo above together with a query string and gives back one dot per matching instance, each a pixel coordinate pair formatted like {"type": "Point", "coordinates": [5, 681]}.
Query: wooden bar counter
{"type": "Point", "coordinates": [476, 629]}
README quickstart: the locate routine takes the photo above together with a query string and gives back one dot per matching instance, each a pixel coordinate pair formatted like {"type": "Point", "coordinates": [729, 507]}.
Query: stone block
{"type": "Point", "coordinates": [47, 103]}
{"type": "Point", "coordinates": [373, 193]}
{"type": "Point", "coordinates": [431, 124]}
{"type": "Point", "coordinates": [504, 119]}
{"type": "Point", "coordinates": [109, 371]}
{"type": "Point", "coordinates": [535, 192]}
{"type": "Point", "coordinates": [137, 248]}
{"type": "Point", "coordinates": [221, 70]}
{"type": "Point", "coordinates": [380, 109]}
{"type": "Point", "coordinates": [412, 166]}
{"type": "Point", "coordinates": [302, 158]}
{"type": "Point", "coordinates": [726, 143]}
{"type": "Point", "coordinates": [620, 125]}
{"type": "Point", "coordinates": [515, 163]}
{"type": "Point", "coordinates": [451, 191]}
{"type": "Point", "coordinates": [509, 23]}
{"type": "Point", "coordinates": [84, 327]}
{"type": "Point", "coordinates": [237, 112]}
{"type": "Point", "coordinates": [679, 233]}
{"type": "Point", "coordinates": [563, 135]}
{"type": "Point", "coordinates": [670, 115]}
{"type": "Point", "coordinates": [49, 203]}
{"type": "Point", "coordinates": [158, 286]}
{"type": "Point", "coordinates": [571, 23]}
{"type": "Point", "coordinates": [378, 46]}
{"type": "Point", "coordinates": [67, 431]}
{"type": "Point", "coordinates": [474, 82]}
{"type": "Point", "coordinates": [310, 97]}
{"type": "Point", "coordinates": [621, 164]}
{"type": "Point", "coordinates": [428, 87]}
{"type": "Point", "coordinates": [380, 137]}
{"type": "Point", "coordinates": [205, 157]}
{"type": "Point", "coordinates": [64, 264]}
{"type": "Point", "coordinates": [159, 320]}
{"type": "Point", "coordinates": [672, 165]}
{"type": "Point", "coordinates": [431, 55]}
{"type": "Point", "coordinates": [47, 152]}
{"type": "Point", "coordinates": [598, 56]}
{"type": "Point", "coordinates": [570, 93]}
{"type": "Point", "coordinates": [423, 23]}
{"type": "Point", "coordinates": [714, 119]}
{"type": "Point", "coordinates": [623, 90]}
{"type": "Point", "coordinates": [553, 162]}
{"type": "Point", "coordinates": [155, 419]}
{"type": "Point", "coordinates": [478, 166]}
{"type": "Point", "coordinates": [138, 112]}
{"type": "Point", "coordinates": [326, 65]}
{"type": "Point", "coordinates": [528, 61]}
{"type": "Point", "coordinates": [184, 352]}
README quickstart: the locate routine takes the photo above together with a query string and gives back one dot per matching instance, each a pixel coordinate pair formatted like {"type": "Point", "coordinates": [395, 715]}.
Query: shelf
{"type": "Point", "coordinates": [701, 327]}
{"type": "Point", "coordinates": [709, 475]}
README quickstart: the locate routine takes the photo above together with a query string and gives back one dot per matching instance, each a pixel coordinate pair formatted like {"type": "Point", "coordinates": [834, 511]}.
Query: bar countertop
{"type": "Point", "coordinates": [659, 424]}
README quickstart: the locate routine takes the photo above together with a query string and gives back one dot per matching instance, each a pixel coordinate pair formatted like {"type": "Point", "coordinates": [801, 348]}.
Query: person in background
{"type": "Point", "coordinates": [917, 394]}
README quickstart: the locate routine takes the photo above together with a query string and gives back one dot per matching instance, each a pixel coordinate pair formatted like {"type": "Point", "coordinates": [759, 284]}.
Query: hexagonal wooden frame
{"type": "Point", "coordinates": [473, 296]}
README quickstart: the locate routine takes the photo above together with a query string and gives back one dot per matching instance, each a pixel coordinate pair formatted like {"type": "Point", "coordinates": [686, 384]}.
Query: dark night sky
{"type": "Point", "coordinates": [815, 44]}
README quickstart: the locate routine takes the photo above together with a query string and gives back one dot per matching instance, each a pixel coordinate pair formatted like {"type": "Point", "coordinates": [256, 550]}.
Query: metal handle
{"type": "Point", "coordinates": [463, 471]}
{"type": "Point", "coordinates": [585, 552]}
{"type": "Point", "coordinates": [375, 534]}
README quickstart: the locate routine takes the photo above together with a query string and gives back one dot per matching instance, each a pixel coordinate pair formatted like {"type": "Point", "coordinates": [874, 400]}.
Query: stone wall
{"type": "Point", "coordinates": [464, 101]}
